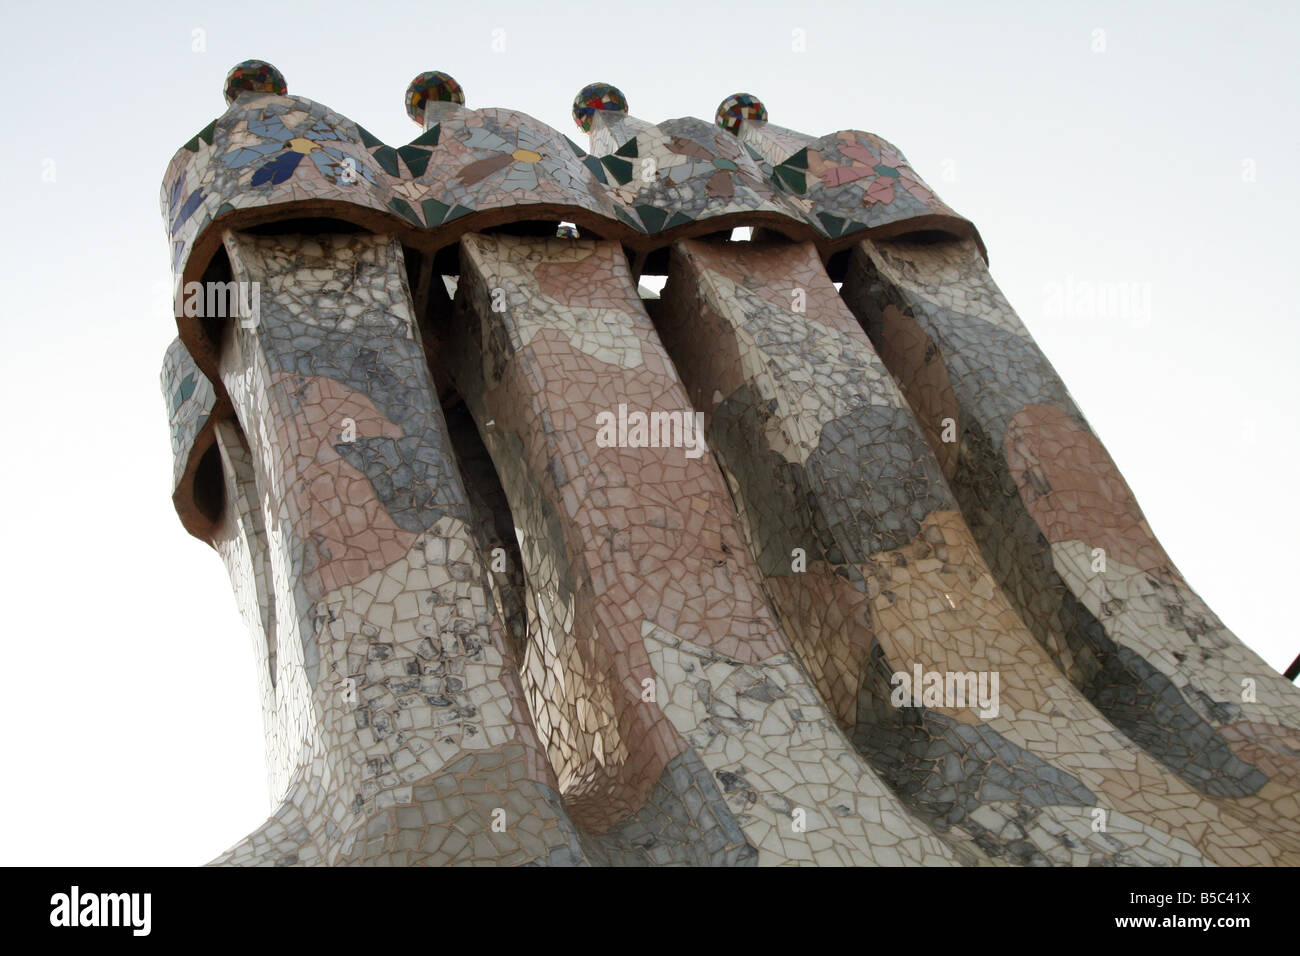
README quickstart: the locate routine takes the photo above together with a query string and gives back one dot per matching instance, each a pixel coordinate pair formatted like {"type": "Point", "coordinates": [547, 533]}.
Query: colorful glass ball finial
{"type": "Point", "coordinates": [254, 76]}
{"type": "Point", "coordinates": [431, 86]}
{"type": "Point", "coordinates": [596, 96]}
{"type": "Point", "coordinates": [737, 107]}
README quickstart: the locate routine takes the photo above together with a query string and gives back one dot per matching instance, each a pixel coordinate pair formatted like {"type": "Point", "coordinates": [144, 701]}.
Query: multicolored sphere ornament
{"type": "Point", "coordinates": [597, 96]}
{"type": "Point", "coordinates": [254, 76]}
{"type": "Point", "coordinates": [431, 86]}
{"type": "Point", "coordinates": [737, 107]}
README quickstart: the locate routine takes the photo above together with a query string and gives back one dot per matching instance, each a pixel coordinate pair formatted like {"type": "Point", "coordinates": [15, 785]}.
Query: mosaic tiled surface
{"type": "Point", "coordinates": [190, 398]}
{"type": "Point", "coordinates": [498, 619]}
{"type": "Point", "coordinates": [639, 575]}
{"type": "Point", "coordinates": [823, 454]}
{"type": "Point", "coordinates": [1045, 502]}
{"type": "Point", "coordinates": [390, 674]}
{"type": "Point", "coordinates": [274, 155]}
{"type": "Point", "coordinates": [848, 181]}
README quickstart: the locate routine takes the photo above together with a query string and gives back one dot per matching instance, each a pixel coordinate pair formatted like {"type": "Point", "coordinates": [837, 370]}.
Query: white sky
{"type": "Point", "coordinates": [132, 732]}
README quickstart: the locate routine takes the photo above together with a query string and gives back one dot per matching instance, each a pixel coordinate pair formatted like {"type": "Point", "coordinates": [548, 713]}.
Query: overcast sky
{"type": "Point", "coordinates": [1136, 146]}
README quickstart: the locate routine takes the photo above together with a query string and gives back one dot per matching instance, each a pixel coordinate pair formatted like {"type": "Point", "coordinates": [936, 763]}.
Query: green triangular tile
{"type": "Point", "coordinates": [387, 158]}
{"type": "Point", "coordinates": [799, 160]}
{"type": "Point", "coordinates": [592, 163]}
{"type": "Point", "coordinates": [428, 138]}
{"type": "Point", "coordinates": [796, 180]}
{"type": "Point", "coordinates": [678, 219]}
{"type": "Point", "coordinates": [434, 212]}
{"type": "Point", "coordinates": [652, 217]}
{"type": "Point", "coordinates": [204, 134]}
{"type": "Point", "coordinates": [628, 218]}
{"type": "Point", "coordinates": [627, 149]}
{"type": "Point", "coordinates": [833, 225]}
{"type": "Point", "coordinates": [367, 139]}
{"type": "Point", "coordinates": [620, 169]}
{"type": "Point", "coordinates": [403, 209]}
{"type": "Point", "coordinates": [416, 159]}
